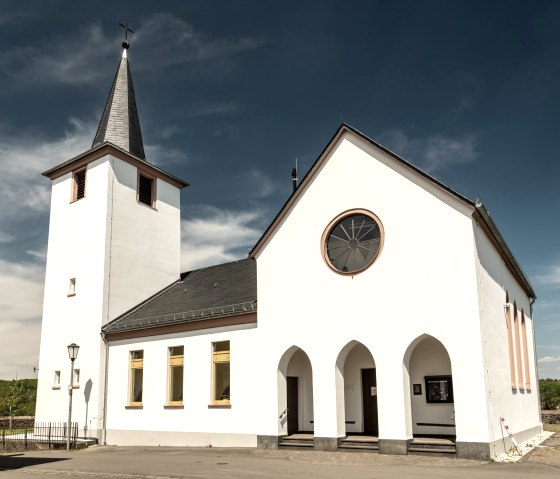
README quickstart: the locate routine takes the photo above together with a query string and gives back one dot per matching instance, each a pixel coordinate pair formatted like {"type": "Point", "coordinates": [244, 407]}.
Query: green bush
{"type": "Point", "coordinates": [550, 393]}
{"type": "Point", "coordinates": [18, 397]}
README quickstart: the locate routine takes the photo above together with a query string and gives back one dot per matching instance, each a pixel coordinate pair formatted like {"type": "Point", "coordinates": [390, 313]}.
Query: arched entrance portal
{"type": "Point", "coordinates": [432, 411]}
{"type": "Point", "coordinates": [358, 380]}
{"type": "Point", "coordinates": [295, 392]}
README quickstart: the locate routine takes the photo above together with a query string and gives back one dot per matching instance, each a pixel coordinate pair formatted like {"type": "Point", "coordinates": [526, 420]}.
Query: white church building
{"type": "Point", "coordinates": [380, 304]}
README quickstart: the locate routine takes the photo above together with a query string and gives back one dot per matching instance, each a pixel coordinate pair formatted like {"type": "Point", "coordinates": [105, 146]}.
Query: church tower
{"type": "Point", "coordinates": [114, 240]}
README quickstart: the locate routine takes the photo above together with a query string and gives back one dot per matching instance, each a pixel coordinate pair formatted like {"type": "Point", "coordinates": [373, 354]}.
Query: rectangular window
{"type": "Point", "coordinates": [517, 330]}
{"type": "Point", "coordinates": [220, 373]}
{"type": "Point", "coordinates": [76, 379]}
{"type": "Point", "coordinates": [509, 324]}
{"type": "Point", "coordinates": [175, 376]}
{"type": "Point", "coordinates": [525, 352]}
{"type": "Point", "coordinates": [136, 377]}
{"type": "Point", "coordinates": [439, 389]}
{"type": "Point", "coordinates": [146, 190]}
{"type": "Point", "coordinates": [72, 287]}
{"type": "Point", "coordinates": [78, 185]}
{"type": "Point", "coordinates": [56, 383]}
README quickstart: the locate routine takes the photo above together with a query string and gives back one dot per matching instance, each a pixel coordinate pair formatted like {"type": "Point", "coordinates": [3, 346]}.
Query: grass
{"type": "Point", "coordinates": [552, 427]}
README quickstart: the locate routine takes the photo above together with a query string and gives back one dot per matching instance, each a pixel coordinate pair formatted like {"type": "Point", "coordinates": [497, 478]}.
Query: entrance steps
{"type": "Point", "coordinates": [425, 446]}
{"type": "Point", "coordinates": [430, 446]}
{"type": "Point", "coordinates": [359, 443]}
{"type": "Point", "coordinates": [296, 441]}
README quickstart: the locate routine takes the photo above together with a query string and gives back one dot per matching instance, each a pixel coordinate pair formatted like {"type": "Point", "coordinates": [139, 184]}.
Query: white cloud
{"type": "Point", "coordinates": [163, 40]}
{"type": "Point", "coordinates": [216, 236]}
{"type": "Point", "coordinates": [551, 277]}
{"type": "Point", "coordinates": [549, 359]}
{"type": "Point", "coordinates": [19, 348]}
{"type": "Point", "coordinates": [260, 184]}
{"type": "Point", "coordinates": [20, 310]}
{"type": "Point", "coordinates": [433, 153]}
{"type": "Point", "coordinates": [168, 40]}
{"type": "Point", "coordinates": [24, 156]}
{"type": "Point", "coordinates": [158, 154]}
{"type": "Point", "coordinates": [62, 60]}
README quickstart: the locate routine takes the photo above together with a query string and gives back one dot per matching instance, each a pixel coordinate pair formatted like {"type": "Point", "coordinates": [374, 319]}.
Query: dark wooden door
{"type": "Point", "coordinates": [292, 405]}
{"type": "Point", "coordinates": [369, 395]}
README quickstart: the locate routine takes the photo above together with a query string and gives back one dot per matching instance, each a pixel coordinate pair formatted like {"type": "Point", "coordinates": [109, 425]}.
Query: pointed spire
{"type": "Point", "coordinates": [119, 123]}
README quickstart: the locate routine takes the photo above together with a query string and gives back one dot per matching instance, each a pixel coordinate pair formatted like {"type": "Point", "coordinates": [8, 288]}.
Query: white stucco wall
{"type": "Point", "coordinates": [96, 241]}
{"type": "Point", "coordinates": [519, 406]}
{"type": "Point", "coordinates": [196, 424]}
{"type": "Point", "coordinates": [424, 282]}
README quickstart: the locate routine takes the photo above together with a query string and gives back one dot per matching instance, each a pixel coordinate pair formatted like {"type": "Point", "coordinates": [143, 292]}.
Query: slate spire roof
{"type": "Point", "coordinates": [119, 123]}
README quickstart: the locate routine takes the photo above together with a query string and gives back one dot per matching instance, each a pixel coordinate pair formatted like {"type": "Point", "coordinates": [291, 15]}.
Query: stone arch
{"type": "Point", "coordinates": [428, 386]}
{"type": "Point", "coordinates": [353, 414]}
{"type": "Point", "coordinates": [295, 371]}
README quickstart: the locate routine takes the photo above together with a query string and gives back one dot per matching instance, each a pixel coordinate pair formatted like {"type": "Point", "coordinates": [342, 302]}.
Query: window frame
{"type": "Point", "coordinates": [56, 379]}
{"type": "Point", "coordinates": [76, 379]}
{"type": "Point", "coordinates": [153, 190]}
{"type": "Point", "coordinates": [220, 357]}
{"type": "Point", "coordinates": [175, 361]}
{"type": "Point", "coordinates": [443, 377]}
{"type": "Point", "coordinates": [72, 287]}
{"type": "Point", "coordinates": [331, 227]}
{"type": "Point", "coordinates": [75, 184]}
{"type": "Point", "coordinates": [135, 364]}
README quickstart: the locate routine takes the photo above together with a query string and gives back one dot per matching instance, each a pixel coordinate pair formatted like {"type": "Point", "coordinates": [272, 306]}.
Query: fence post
{"type": "Point", "coordinates": [25, 438]}
{"type": "Point", "coordinates": [49, 436]}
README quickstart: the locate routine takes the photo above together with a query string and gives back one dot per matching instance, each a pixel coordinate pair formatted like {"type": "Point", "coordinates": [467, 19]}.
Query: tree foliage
{"type": "Point", "coordinates": [18, 397]}
{"type": "Point", "coordinates": [550, 393]}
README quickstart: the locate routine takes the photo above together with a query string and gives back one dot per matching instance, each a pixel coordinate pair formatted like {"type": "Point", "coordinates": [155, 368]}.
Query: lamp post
{"type": "Point", "coordinates": [73, 354]}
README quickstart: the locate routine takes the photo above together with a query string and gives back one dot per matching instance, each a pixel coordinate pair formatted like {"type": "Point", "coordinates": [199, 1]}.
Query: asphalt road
{"type": "Point", "coordinates": [202, 463]}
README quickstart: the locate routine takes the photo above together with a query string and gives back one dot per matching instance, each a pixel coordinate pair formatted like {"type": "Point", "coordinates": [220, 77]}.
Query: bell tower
{"type": "Point", "coordinates": [114, 240]}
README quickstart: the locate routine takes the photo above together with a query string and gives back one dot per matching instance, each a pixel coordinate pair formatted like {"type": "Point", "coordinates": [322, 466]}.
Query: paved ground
{"type": "Point", "coordinates": [106, 462]}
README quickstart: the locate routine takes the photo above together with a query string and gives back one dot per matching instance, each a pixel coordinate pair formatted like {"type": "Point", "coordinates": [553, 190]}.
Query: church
{"type": "Point", "coordinates": [379, 305]}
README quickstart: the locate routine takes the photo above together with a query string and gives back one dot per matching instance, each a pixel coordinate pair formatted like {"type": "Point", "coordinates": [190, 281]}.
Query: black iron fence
{"type": "Point", "coordinates": [51, 435]}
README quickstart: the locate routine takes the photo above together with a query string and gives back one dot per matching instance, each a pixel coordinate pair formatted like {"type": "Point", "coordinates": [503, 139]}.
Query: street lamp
{"type": "Point", "coordinates": [73, 354]}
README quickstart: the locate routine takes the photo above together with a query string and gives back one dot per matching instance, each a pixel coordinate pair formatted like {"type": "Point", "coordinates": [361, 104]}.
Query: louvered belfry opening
{"type": "Point", "coordinates": [145, 190]}
{"type": "Point", "coordinates": [79, 184]}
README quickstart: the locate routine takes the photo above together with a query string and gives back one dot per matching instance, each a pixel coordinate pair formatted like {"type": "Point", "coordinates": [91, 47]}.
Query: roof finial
{"type": "Point", "coordinates": [125, 44]}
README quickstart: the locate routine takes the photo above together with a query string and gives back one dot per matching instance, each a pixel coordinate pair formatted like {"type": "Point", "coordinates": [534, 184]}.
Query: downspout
{"type": "Point", "coordinates": [537, 386]}
{"type": "Point", "coordinates": [105, 382]}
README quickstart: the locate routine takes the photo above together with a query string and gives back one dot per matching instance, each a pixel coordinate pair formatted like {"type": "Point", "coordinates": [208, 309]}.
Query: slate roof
{"type": "Point", "coordinates": [119, 123]}
{"type": "Point", "coordinates": [207, 293]}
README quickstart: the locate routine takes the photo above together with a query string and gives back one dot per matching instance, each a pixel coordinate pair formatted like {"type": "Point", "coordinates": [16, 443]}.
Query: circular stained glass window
{"type": "Point", "coordinates": [352, 241]}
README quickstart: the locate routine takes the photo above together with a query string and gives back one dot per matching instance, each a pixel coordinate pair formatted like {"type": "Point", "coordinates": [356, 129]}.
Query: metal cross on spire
{"type": "Point", "coordinates": [125, 44]}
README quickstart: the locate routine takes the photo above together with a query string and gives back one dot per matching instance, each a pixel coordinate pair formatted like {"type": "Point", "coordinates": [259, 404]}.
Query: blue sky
{"type": "Point", "coordinates": [230, 93]}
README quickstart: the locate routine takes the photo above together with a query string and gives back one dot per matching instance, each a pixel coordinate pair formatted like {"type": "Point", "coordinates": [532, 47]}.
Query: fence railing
{"type": "Point", "coordinates": [47, 434]}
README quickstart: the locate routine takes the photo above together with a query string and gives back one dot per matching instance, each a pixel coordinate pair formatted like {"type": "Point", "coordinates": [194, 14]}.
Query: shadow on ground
{"type": "Point", "coordinates": [10, 462]}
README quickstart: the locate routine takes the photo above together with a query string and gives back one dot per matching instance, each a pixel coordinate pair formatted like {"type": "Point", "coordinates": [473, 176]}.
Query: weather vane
{"type": "Point", "coordinates": [125, 44]}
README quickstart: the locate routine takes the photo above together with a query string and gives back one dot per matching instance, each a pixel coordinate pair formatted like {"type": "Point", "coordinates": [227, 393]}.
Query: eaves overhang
{"type": "Point", "coordinates": [484, 219]}
{"type": "Point", "coordinates": [108, 148]}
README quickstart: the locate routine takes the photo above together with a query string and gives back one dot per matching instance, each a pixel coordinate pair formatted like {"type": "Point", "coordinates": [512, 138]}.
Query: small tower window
{"type": "Point", "coordinates": [79, 185]}
{"type": "Point", "coordinates": [146, 190]}
{"type": "Point", "coordinates": [56, 383]}
{"type": "Point", "coordinates": [72, 287]}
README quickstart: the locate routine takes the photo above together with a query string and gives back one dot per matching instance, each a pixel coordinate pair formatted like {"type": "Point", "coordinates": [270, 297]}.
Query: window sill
{"type": "Point", "coordinates": [71, 294]}
{"type": "Point", "coordinates": [173, 406]}
{"type": "Point", "coordinates": [134, 407]}
{"type": "Point", "coordinates": [56, 388]}
{"type": "Point", "coordinates": [146, 205]}
{"type": "Point", "coordinates": [219, 406]}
